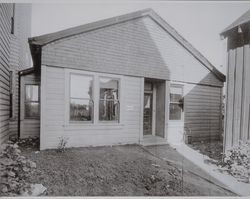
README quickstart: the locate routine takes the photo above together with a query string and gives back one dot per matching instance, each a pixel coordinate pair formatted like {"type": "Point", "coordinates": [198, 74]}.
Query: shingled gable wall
{"type": "Point", "coordinates": [139, 47]}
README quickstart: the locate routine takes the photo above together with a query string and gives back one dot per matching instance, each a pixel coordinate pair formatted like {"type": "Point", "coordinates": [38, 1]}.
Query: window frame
{"type": "Point", "coordinates": [25, 101]}
{"type": "Point", "coordinates": [12, 30]}
{"type": "Point", "coordinates": [92, 99]}
{"type": "Point", "coordinates": [11, 87]}
{"type": "Point", "coordinates": [96, 122]}
{"type": "Point", "coordinates": [119, 97]}
{"type": "Point", "coordinates": [181, 86]}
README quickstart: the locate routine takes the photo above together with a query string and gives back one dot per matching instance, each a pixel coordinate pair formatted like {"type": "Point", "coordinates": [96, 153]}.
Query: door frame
{"type": "Point", "coordinates": [175, 126]}
{"type": "Point", "coordinates": [153, 92]}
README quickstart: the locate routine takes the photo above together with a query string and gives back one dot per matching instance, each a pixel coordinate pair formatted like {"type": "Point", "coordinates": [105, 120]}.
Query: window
{"type": "Point", "coordinates": [176, 102]}
{"type": "Point", "coordinates": [109, 99]}
{"type": "Point", "coordinates": [148, 86]}
{"type": "Point", "coordinates": [32, 108]}
{"type": "Point", "coordinates": [81, 98]}
{"type": "Point", "coordinates": [13, 20]}
{"type": "Point", "coordinates": [11, 94]}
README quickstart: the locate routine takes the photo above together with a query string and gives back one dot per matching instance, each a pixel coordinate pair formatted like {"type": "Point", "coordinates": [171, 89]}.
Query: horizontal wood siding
{"type": "Point", "coordinates": [54, 126]}
{"type": "Point", "coordinates": [139, 47]}
{"type": "Point", "coordinates": [202, 112]}
{"type": "Point", "coordinates": [14, 56]}
{"type": "Point", "coordinates": [5, 20]}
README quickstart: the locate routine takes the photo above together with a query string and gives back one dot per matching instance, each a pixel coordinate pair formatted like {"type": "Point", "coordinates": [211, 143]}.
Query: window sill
{"type": "Point", "coordinates": [94, 125]}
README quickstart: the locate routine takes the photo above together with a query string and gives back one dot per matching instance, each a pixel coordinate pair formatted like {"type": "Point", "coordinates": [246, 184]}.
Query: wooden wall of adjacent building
{"type": "Point", "coordinates": [5, 29]}
{"type": "Point", "coordinates": [14, 57]}
{"type": "Point", "coordinates": [20, 55]}
{"type": "Point", "coordinates": [237, 126]}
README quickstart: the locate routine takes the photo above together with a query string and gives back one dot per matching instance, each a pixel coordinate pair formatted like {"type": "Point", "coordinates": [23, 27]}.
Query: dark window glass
{"type": "Point", "coordinates": [12, 31]}
{"type": "Point", "coordinates": [109, 100]}
{"type": "Point", "coordinates": [11, 94]}
{"type": "Point", "coordinates": [81, 102]}
{"type": "Point", "coordinates": [175, 112]}
{"type": "Point", "coordinates": [176, 103]}
{"type": "Point", "coordinates": [32, 105]}
{"type": "Point", "coordinates": [148, 86]}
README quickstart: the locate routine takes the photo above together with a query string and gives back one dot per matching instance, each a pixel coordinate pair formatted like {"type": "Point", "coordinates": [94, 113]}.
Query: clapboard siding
{"type": "Point", "coordinates": [5, 19]}
{"type": "Point", "coordinates": [53, 119]}
{"type": "Point", "coordinates": [202, 109]}
{"type": "Point", "coordinates": [14, 56]}
{"type": "Point", "coordinates": [139, 47]}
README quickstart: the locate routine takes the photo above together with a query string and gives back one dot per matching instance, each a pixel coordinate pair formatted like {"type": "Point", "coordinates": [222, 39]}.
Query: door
{"type": "Point", "coordinates": [148, 114]}
{"type": "Point", "coordinates": [176, 114]}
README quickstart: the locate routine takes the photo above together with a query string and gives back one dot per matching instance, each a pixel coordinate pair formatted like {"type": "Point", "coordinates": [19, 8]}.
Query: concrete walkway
{"type": "Point", "coordinates": [169, 154]}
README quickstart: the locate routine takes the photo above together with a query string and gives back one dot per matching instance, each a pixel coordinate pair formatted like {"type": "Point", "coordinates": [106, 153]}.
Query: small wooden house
{"type": "Point", "coordinates": [127, 79]}
{"type": "Point", "coordinates": [238, 82]}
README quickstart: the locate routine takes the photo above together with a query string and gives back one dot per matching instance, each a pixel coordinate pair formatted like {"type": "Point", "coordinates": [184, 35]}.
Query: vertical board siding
{"type": "Point", "coordinates": [230, 97]}
{"type": "Point", "coordinates": [5, 19]}
{"type": "Point", "coordinates": [238, 97]}
{"type": "Point", "coordinates": [246, 95]}
{"type": "Point", "coordinates": [139, 47]}
{"type": "Point", "coordinates": [202, 109]}
{"type": "Point", "coordinates": [54, 126]}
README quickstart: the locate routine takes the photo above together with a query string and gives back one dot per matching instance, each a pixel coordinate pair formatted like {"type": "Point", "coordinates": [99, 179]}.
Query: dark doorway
{"type": "Point", "coordinates": [148, 114]}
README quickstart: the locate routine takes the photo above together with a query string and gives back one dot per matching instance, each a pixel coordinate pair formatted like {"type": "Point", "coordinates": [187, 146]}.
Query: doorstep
{"type": "Point", "coordinates": [149, 140]}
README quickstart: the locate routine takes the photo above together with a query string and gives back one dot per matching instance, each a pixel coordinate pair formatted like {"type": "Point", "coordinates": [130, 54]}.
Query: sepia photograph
{"type": "Point", "coordinates": [124, 98]}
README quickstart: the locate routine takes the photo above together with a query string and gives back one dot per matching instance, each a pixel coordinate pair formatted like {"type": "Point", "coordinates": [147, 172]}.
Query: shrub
{"type": "Point", "coordinates": [14, 171]}
{"type": "Point", "coordinates": [62, 144]}
{"type": "Point", "coordinates": [237, 161]}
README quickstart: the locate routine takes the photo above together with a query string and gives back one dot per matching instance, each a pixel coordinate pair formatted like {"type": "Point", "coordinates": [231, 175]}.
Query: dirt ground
{"type": "Point", "coordinates": [114, 171]}
{"type": "Point", "coordinates": [213, 149]}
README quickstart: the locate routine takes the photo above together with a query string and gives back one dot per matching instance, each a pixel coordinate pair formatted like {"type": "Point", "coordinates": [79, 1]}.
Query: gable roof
{"type": "Point", "coordinates": [243, 19]}
{"type": "Point", "coordinates": [48, 38]}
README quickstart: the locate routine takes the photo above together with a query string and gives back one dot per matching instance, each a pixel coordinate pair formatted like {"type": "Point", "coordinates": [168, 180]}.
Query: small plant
{"type": "Point", "coordinates": [62, 144]}
{"type": "Point", "coordinates": [237, 161]}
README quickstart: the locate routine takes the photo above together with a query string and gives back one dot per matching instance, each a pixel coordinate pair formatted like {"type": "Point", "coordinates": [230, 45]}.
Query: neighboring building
{"type": "Point", "coordinates": [127, 79]}
{"type": "Point", "coordinates": [15, 28]}
{"type": "Point", "coordinates": [237, 127]}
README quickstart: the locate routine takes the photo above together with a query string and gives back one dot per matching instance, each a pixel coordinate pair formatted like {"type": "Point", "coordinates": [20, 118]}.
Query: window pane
{"type": "Point", "coordinates": [175, 97]}
{"type": "Point", "coordinates": [109, 89]}
{"type": "Point", "coordinates": [176, 89]}
{"type": "Point", "coordinates": [81, 110]}
{"type": "Point", "coordinates": [31, 92]}
{"type": "Point", "coordinates": [148, 86]}
{"type": "Point", "coordinates": [175, 112]}
{"type": "Point", "coordinates": [108, 110]}
{"type": "Point", "coordinates": [32, 110]}
{"type": "Point", "coordinates": [81, 86]}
